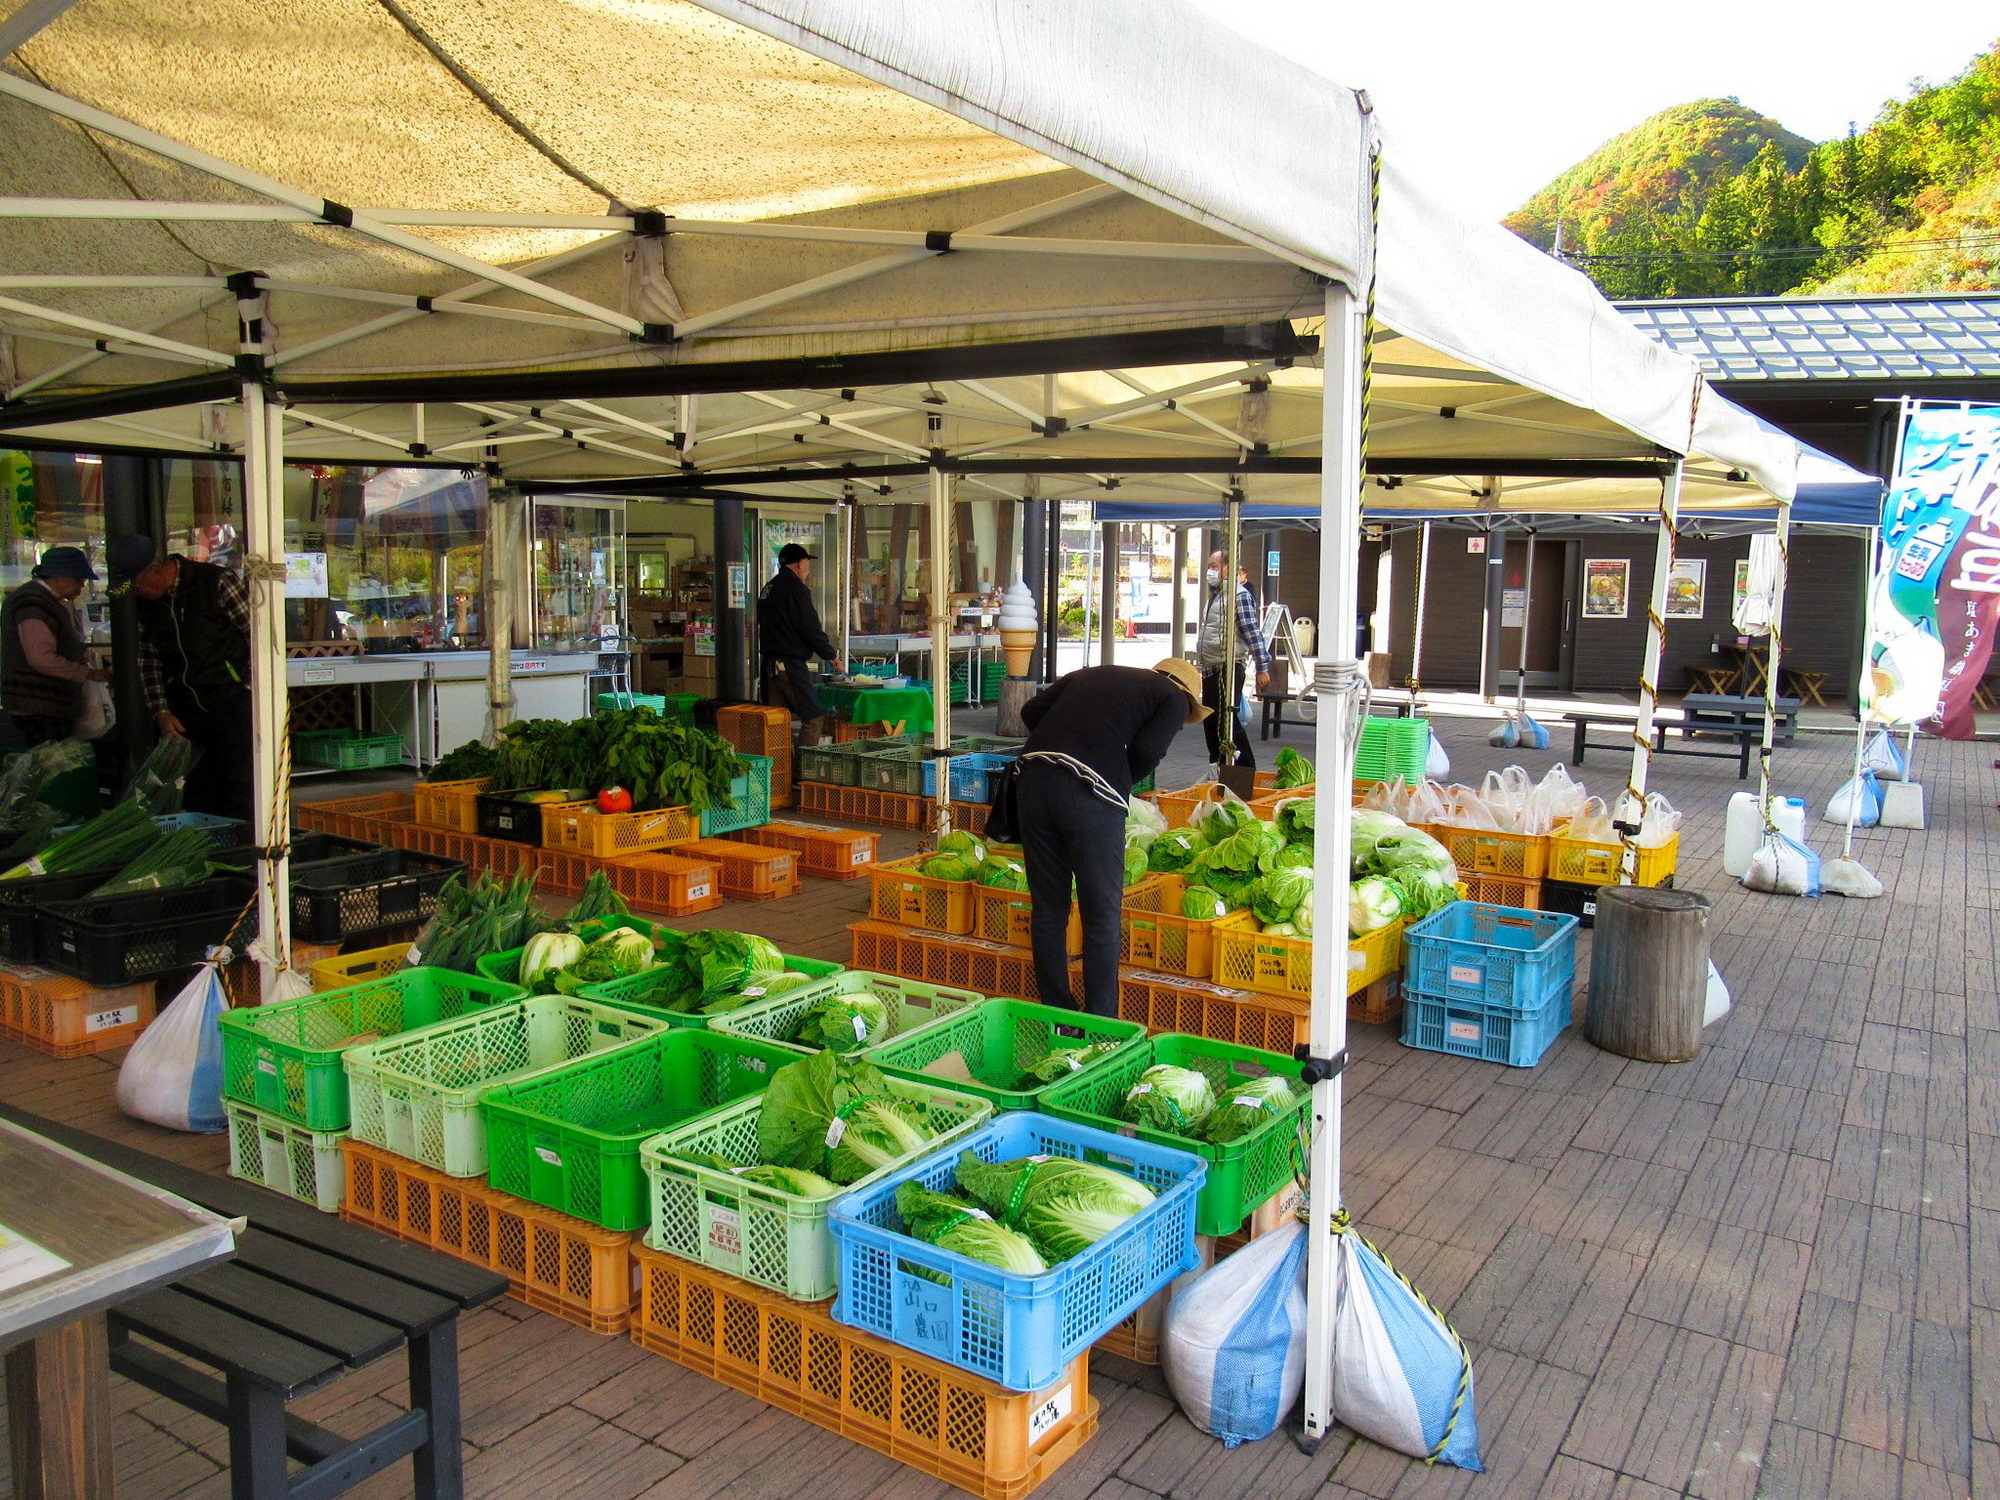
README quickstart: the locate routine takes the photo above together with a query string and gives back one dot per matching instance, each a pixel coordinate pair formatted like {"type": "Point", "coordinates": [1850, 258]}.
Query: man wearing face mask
{"type": "Point", "coordinates": [44, 661]}
{"type": "Point", "coordinates": [1223, 614]}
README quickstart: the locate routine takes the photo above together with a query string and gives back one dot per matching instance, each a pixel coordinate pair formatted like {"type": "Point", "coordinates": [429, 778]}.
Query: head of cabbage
{"type": "Point", "coordinates": [1172, 850]}
{"type": "Point", "coordinates": [1135, 862]}
{"type": "Point", "coordinates": [1203, 904]}
{"type": "Point", "coordinates": [958, 841]}
{"type": "Point", "coordinates": [1003, 874]}
{"type": "Point", "coordinates": [1280, 893]}
{"type": "Point", "coordinates": [949, 867]}
{"type": "Point", "coordinates": [1372, 903]}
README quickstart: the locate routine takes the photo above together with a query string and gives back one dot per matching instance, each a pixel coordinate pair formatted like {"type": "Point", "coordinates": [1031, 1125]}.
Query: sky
{"type": "Point", "coordinates": [1492, 99]}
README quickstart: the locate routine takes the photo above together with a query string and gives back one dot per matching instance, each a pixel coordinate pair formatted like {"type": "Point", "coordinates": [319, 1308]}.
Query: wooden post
{"type": "Point", "coordinates": [59, 1413]}
{"type": "Point", "coordinates": [1014, 691]}
{"type": "Point", "coordinates": [1648, 973]}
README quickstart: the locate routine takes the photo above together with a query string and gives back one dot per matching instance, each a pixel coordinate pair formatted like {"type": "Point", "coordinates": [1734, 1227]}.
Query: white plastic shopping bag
{"type": "Point", "coordinates": [1234, 1346]}
{"type": "Point", "coordinates": [1885, 758]}
{"type": "Point", "coordinates": [1436, 763]}
{"type": "Point", "coordinates": [173, 1074]}
{"type": "Point", "coordinates": [97, 715]}
{"type": "Point", "coordinates": [1784, 867]}
{"type": "Point", "coordinates": [1858, 800]}
{"type": "Point", "coordinates": [1401, 1374]}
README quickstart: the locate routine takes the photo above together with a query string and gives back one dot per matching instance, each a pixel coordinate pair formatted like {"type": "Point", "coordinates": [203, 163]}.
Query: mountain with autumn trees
{"type": "Point", "coordinates": [1714, 199]}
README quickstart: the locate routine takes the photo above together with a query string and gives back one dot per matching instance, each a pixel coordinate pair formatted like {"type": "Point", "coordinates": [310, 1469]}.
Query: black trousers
{"type": "Point", "coordinates": [1070, 833]}
{"type": "Point", "coordinates": [789, 684]}
{"type": "Point", "coordinates": [1212, 697]}
{"type": "Point", "coordinates": [220, 781]}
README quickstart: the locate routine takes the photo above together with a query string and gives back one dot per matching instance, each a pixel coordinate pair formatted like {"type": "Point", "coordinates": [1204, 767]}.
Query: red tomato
{"type": "Point", "coordinates": [614, 799]}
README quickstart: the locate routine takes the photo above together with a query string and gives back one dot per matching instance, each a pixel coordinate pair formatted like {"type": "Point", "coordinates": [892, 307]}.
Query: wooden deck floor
{"type": "Point", "coordinates": [1774, 1271]}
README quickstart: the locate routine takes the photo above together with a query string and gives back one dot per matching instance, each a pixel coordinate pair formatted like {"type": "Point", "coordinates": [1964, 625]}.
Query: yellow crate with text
{"type": "Point", "coordinates": [65, 1017]}
{"type": "Point", "coordinates": [1480, 851]}
{"type": "Point", "coordinates": [449, 804]}
{"type": "Point", "coordinates": [965, 963]}
{"type": "Point", "coordinates": [582, 829]}
{"type": "Point", "coordinates": [1246, 958]}
{"type": "Point", "coordinates": [578, 1271]}
{"type": "Point", "coordinates": [981, 1437]}
{"type": "Point", "coordinates": [828, 852]}
{"type": "Point", "coordinates": [1588, 862]}
{"type": "Point", "coordinates": [669, 883]}
{"type": "Point", "coordinates": [1159, 938]}
{"type": "Point", "coordinates": [749, 872]}
{"type": "Point", "coordinates": [900, 892]}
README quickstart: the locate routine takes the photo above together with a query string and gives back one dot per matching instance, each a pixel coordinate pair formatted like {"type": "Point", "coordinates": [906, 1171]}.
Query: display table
{"type": "Point", "coordinates": [910, 707]}
{"type": "Point", "coordinates": [76, 1239]}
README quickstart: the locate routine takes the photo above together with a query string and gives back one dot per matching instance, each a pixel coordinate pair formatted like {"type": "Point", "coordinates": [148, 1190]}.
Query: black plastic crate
{"type": "Point", "coordinates": [21, 922]}
{"type": "Point", "coordinates": [114, 940]}
{"type": "Point", "coordinates": [307, 848]}
{"type": "Point", "coordinates": [336, 899]}
{"type": "Point", "coordinates": [506, 815]}
{"type": "Point", "coordinates": [1580, 901]}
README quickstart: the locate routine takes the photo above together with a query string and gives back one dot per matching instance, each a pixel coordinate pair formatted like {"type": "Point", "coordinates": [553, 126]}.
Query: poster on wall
{"type": "Point", "coordinates": [1936, 598]}
{"type": "Point", "coordinates": [1739, 587]}
{"type": "Point", "coordinates": [1687, 588]}
{"type": "Point", "coordinates": [1607, 587]}
{"type": "Point", "coordinates": [305, 575]}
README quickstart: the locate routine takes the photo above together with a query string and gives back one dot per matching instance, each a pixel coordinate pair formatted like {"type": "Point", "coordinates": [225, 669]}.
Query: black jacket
{"type": "Point", "coordinates": [24, 690]}
{"type": "Point", "coordinates": [788, 627]}
{"type": "Point", "coordinates": [1119, 721]}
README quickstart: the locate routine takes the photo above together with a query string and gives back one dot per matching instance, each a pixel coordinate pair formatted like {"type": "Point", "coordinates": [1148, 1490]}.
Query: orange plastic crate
{"type": "Point", "coordinates": [756, 729]}
{"type": "Point", "coordinates": [669, 883]}
{"type": "Point", "coordinates": [1520, 856]}
{"type": "Point", "coordinates": [582, 829]}
{"type": "Point", "coordinates": [1502, 890]}
{"type": "Point", "coordinates": [828, 852]}
{"type": "Point", "coordinates": [965, 963]}
{"type": "Point", "coordinates": [580, 1272]}
{"type": "Point", "coordinates": [749, 872]}
{"type": "Point", "coordinates": [449, 804]}
{"type": "Point", "coordinates": [899, 892]}
{"type": "Point", "coordinates": [971, 816]}
{"type": "Point", "coordinates": [67, 1017]}
{"type": "Point", "coordinates": [1002, 916]}
{"type": "Point", "coordinates": [321, 817]}
{"type": "Point", "coordinates": [1178, 807]}
{"type": "Point", "coordinates": [1194, 1007]}
{"type": "Point", "coordinates": [1378, 1004]}
{"type": "Point", "coordinates": [993, 1442]}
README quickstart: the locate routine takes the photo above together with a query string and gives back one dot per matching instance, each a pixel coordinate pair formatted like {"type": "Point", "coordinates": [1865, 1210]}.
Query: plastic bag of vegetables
{"type": "Point", "coordinates": [1372, 903]}
{"type": "Point", "coordinates": [1136, 867]}
{"type": "Point", "coordinates": [1247, 1107]}
{"type": "Point", "coordinates": [619, 954]}
{"type": "Point", "coordinates": [1215, 821]}
{"type": "Point", "coordinates": [1204, 904]}
{"type": "Point", "coordinates": [1002, 874]}
{"type": "Point", "coordinates": [1172, 850]}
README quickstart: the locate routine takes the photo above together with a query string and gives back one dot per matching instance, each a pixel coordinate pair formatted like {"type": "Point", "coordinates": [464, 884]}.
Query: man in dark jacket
{"type": "Point", "coordinates": [44, 661]}
{"type": "Point", "coordinates": [789, 636]}
{"type": "Point", "coordinates": [194, 664]}
{"type": "Point", "coordinates": [1091, 735]}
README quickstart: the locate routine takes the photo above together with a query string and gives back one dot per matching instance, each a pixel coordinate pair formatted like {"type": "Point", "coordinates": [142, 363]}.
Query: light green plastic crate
{"type": "Point", "coordinates": [418, 1094]}
{"type": "Point", "coordinates": [641, 992]}
{"type": "Point", "coordinates": [506, 966]}
{"type": "Point", "coordinates": [911, 1004]}
{"type": "Point", "coordinates": [750, 800]}
{"type": "Point", "coordinates": [569, 1138]}
{"type": "Point", "coordinates": [1243, 1173]}
{"type": "Point", "coordinates": [997, 1042]}
{"type": "Point", "coordinates": [761, 1234]}
{"type": "Point", "coordinates": [285, 1058]}
{"type": "Point", "coordinates": [274, 1153]}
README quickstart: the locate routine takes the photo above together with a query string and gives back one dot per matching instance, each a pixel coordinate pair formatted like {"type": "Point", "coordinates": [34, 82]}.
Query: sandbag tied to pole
{"type": "Point", "coordinates": [1648, 973]}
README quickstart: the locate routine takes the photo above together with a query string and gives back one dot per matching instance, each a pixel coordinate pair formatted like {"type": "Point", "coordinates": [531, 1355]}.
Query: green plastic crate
{"type": "Point", "coordinates": [997, 1042]}
{"type": "Point", "coordinates": [507, 966]}
{"type": "Point", "coordinates": [774, 1238]}
{"type": "Point", "coordinates": [639, 992]}
{"type": "Point", "coordinates": [911, 1004]}
{"type": "Point", "coordinates": [899, 770]}
{"type": "Point", "coordinates": [285, 1058]}
{"type": "Point", "coordinates": [613, 702]}
{"type": "Point", "coordinates": [302, 1164]}
{"type": "Point", "coordinates": [346, 750]}
{"type": "Point", "coordinates": [569, 1139]}
{"type": "Point", "coordinates": [751, 793]}
{"type": "Point", "coordinates": [1243, 1173]}
{"type": "Point", "coordinates": [1392, 750]}
{"type": "Point", "coordinates": [418, 1094]}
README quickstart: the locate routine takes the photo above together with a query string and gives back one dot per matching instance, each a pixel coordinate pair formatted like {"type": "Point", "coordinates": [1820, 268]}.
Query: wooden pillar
{"type": "Point", "coordinates": [1648, 973]}
{"type": "Point", "coordinates": [59, 1413]}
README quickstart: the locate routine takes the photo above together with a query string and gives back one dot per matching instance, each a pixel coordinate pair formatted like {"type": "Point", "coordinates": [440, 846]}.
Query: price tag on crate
{"type": "Point", "coordinates": [926, 1316]}
{"type": "Point", "coordinates": [1467, 974]}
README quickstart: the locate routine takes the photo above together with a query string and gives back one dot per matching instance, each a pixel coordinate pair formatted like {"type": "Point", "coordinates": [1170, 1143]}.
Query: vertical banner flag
{"type": "Point", "coordinates": [1936, 599]}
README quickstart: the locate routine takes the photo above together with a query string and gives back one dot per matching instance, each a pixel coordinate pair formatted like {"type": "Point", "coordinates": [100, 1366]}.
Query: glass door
{"type": "Point", "coordinates": [576, 550]}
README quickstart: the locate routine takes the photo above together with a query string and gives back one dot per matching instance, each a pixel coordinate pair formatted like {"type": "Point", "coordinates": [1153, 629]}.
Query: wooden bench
{"type": "Point", "coordinates": [1713, 716]}
{"type": "Point", "coordinates": [307, 1299]}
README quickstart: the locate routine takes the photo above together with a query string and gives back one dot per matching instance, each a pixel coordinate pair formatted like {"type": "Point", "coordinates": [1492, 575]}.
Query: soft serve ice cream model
{"type": "Point", "coordinates": [1018, 626]}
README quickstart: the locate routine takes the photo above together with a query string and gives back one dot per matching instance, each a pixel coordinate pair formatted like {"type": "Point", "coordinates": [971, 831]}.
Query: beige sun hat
{"type": "Point", "coordinates": [1188, 679]}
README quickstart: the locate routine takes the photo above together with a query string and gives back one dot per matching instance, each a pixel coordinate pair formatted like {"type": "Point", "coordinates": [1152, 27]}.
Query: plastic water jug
{"type": "Point", "coordinates": [1743, 828]}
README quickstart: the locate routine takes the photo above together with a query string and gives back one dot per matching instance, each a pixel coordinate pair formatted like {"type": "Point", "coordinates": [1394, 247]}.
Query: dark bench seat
{"type": "Point", "coordinates": [1704, 715]}
{"type": "Point", "coordinates": [307, 1299]}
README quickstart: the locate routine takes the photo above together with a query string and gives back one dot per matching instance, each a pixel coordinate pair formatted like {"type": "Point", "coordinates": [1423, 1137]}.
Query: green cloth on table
{"type": "Point", "coordinates": [910, 707]}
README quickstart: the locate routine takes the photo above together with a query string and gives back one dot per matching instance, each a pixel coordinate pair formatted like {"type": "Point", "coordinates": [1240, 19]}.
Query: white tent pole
{"type": "Point", "coordinates": [940, 642]}
{"type": "Point", "coordinates": [1527, 604]}
{"type": "Point", "coordinates": [504, 507]}
{"type": "Point", "coordinates": [1634, 808]}
{"type": "Point", "coordinates": [270, 791]}
{"type": "Point", "coordinates": [1089, 591]}
{"type": "Point", "coordinates": [849, 519]}
{"type": "Point", "coordinates": [1107, 601]}
{"type": "Point", "coordinates": [112, 331]}
{"type": "Point", "coordinates": [1417, 635]}
{"type": "Point", "coordinates": [1784, 534]}
{"type": "Point", "coordinates": [1232, 563]}
{"type": "Point", "coordinates": [1336, 678]}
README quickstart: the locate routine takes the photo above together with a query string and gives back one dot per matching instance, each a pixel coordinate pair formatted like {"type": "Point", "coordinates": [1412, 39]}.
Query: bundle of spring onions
{"type": "Point", "coordinates": [108, 841]}
{"type": "Point", "coordinates": [162, 780]}
{"type": "Point", "coordinates": [180, 858]}
{"type": "Point", "coordinates": [487, 916]}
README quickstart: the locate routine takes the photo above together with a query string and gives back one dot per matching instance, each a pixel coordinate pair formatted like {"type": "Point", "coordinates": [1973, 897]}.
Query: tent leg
{"type": "Point", "coordinates": [940, 643]}
{"type": "Point", "coordinates": [1336, 678]}
{"type": "Point", "coordinates": [1784, 533]}
{"type": "Point", "coordinates": [846, 541]}
{"type": "Point", "coordinates": [1634, 807]}
{"type": "Point", "coordinates": [503, 532]}
{"type": "Point", "coordinates": [1417, 635]}
{"type": "Point", "coordinates": [1232, 563]}
{"type": "Point", "coordinates": [1107, 598]}
{"type": "Point", "coordinates": [1527, 606]}
{"type": "Point", "coordinates": [1177, 646]}
{"type": "Point", "coordinates": [270, 781]}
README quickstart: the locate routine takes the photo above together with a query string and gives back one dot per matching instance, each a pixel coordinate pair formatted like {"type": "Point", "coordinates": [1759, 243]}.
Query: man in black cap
{"type": "Point", "coordinates": [789, 635]}
{"type": "Point", "coordinates": [194, 664]}
{"type": "Point", "coordinates": [44, 661]}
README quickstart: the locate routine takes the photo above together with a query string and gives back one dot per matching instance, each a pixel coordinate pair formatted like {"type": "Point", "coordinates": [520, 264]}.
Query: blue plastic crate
{"type": "Point", "coordinates": [1490, 1033]}
{"type": "Point", "coordinates": [1021, 1331]}
{"type": "Point", "coordinates": [1495, 955]}
{"type": "Point", "coordinates": [752, 794]}
{"type": "Point", "coordinates": [967, 778]}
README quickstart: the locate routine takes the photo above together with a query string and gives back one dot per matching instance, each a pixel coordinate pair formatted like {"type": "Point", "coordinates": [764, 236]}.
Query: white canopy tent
{"type": "Point", "coordinates": [579, 241]}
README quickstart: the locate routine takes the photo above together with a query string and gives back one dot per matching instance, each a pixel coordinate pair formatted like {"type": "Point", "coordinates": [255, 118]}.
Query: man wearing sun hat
{"type": "Point", "coordinates": [1091, 735]}
{"type": "Point", "coordinates": [44, 660]}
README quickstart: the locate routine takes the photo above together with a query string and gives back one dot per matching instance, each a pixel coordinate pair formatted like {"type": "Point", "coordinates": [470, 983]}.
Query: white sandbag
{"type": "Point", "coordinates": [1401, 1374]}
{"type": "Point", "coordinates": [1534, 734]}
{"type": "Point", "coordinates": [1858, 801]}
{"type": "Point", "coordinates": [1849, 877]}
{"type": "Point", "coordinates": [1437, 764]}
{"type": "Point", "coordinates": [1234, 1346]}
{"type": "Point", "coordinates": [1784, 867]}
{"type": "Point", "coordinates": [1716, 1006]}
{"type": "Point", "coordinates": [1903, 805]}
{"type": "Point", "coordinates": [1505, 735]}
{"type": "Point", "coordinates": [173, 1074]}
{"type": "Point", "coordinates": [1885, 758]}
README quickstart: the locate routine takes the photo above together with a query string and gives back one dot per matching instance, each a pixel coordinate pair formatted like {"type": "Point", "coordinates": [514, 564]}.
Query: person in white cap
{"type": "Point", "coordinates": [1091, 735]}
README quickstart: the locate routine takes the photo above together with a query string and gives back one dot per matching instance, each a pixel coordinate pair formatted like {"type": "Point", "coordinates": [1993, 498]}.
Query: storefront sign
{"type": "Point", "coordinates": [1607, 587]}
{"type": "Point", "coordinates": [530, 664]}
{"type": "Point", "coordinates": [739, 585]}
{"type": "Point", "coordinates": [1936, 598]}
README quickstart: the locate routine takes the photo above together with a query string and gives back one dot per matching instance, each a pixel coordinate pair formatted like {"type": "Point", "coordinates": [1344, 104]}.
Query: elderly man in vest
{"type": "Point", "coordinates": [194, 664]}
{"type": "Point", "coordinates": [1229, 609]}
{"type": "Point", "coordinates": [44, 662]}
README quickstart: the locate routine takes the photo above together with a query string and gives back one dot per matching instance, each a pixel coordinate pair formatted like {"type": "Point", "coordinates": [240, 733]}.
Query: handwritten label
{"type": "Point", "coordinates": [863, 855]}
{"type": "Point", "coordinates": [1043, 1419]}
{"type": "Point", "coordinates": [725, 1232]}
{"type": "Point", "coordinates": [104, 1020]}
{"type": "Point", "coordinates": [1462, 1031]}
{"type": "Point", "coordinates": [552, 1158]}
{"type": "Point", "coordinates": [926, 1316]}
{"type": "Point", "coordinates": [1467, 974]}
{"type": "Point", "coordinates": [698, 892]}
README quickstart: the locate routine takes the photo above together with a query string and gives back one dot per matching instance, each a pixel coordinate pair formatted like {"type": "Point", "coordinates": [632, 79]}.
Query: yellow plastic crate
{"type": "Point", "coordinates": [1479, 851]}
{"type": "Point", "coordinates": [1004, 916]}
{"type": "Point", "coordinates": [582, 829]}
{"type": "Point", "coordinates": [1587, 862]}
{"type": "Point", "coordinates": [897, 892]}
{"type": "Point", "coordinates": [449, 804]}
{"type": "Point", "coordinates": [339, 972]}
{"type": "Point", "coordinates": [1156, 936]}
{"type": "Point", "coordinates": [1246, 959]}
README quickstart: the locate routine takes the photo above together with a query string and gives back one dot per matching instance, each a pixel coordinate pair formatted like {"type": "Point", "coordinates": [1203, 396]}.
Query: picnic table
{"type": "Point", "coordinates": [910, 707]}
{"type": "Point", "coordinates": [1714, 716]}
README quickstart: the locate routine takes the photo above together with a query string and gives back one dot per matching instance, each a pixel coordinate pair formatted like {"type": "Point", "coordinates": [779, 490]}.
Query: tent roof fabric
{"type": "Point", "coordinates": [441, 190]}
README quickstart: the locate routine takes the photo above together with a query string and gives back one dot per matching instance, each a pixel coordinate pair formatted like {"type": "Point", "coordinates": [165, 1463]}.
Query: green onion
{"type": "Point", "coordinates": [107, 842]}
{"type": "Point", "coordinates": [181, 858]}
